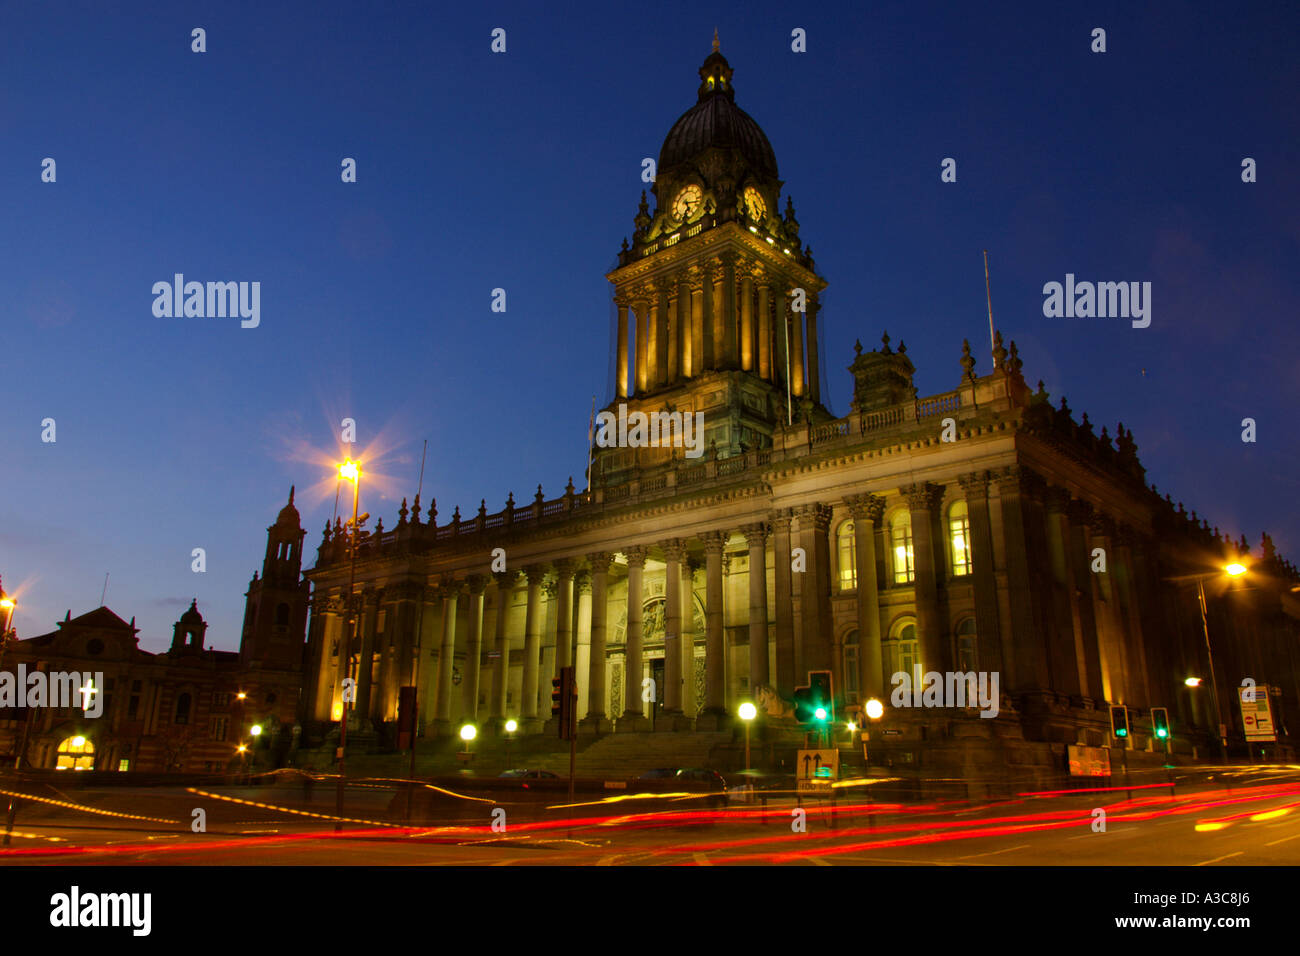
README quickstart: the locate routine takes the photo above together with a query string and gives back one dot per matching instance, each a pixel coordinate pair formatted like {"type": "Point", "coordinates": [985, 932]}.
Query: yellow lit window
{"type": "Point", "coordinates": [959, 538]}
{"type": "Point", "coordinates": [76, 753]}
{"type": "Point", "coordinates": [848, 556]}
{"type": "Point", "coordinates": [900, 532]}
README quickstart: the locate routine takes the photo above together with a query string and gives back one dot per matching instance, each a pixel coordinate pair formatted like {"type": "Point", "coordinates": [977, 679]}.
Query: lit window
{"type": "Point", "coordinates": [848, 556]}
{"type": "Point", "coordinates": [900, 532]}
{"type": "Point", "coordinates": [851, 667]}
{"type": "Point", "coordinates": [959, 538]}
{"type": "Point", "coordinates": [76, 753]}
{"type": "Point", "coordinates": [902, 652]}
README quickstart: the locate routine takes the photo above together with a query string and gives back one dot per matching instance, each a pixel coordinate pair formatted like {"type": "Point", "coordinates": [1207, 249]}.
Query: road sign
{"type": "Point", "coordinates": [816, 770]}
{"type": "Point", "coordinates": [1257, 714]}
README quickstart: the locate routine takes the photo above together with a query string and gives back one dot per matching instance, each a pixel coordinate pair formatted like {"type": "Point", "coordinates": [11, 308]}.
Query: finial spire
{"type": "Point", "coordinates": [715, 39]}
{"type": "Point", "coordinates": [291, 494]}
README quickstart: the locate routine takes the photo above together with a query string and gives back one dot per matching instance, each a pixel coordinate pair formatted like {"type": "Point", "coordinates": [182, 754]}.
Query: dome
{"type": "Point", "coordinates": [716, 121]}
{"type": "Point", "coordinates": [288, 514]}
{"type": "Point", "coordinates": [192, 616]}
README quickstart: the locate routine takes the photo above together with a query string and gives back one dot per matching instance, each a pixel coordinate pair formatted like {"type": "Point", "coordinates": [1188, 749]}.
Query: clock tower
{"type": "Point", "coordinates": [717, 296]}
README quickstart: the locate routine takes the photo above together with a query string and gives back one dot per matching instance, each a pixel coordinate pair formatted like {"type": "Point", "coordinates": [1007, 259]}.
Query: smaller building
{"type": "Point", "coordinates": [185, 710]}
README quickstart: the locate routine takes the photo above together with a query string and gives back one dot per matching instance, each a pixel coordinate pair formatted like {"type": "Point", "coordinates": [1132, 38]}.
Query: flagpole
{"type": "Point", "coordinates": [989, 296]}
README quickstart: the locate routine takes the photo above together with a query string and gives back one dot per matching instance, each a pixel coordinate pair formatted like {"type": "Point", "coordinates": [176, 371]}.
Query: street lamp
{"type": "Point", "coordinates": [351, 470]}
{"type": "Point", "coordinates": [467, 733]}
{"type": "Point", "coordinates": [875, 709]}
{"type": "Point", "coordinates": [7, 604]}
{"type": "Point", "coordinates": [1232, 570]}
{"type": "Point", "coordinates": [747, 713]}
{"type": "Point", "coordinates": [511, 726]}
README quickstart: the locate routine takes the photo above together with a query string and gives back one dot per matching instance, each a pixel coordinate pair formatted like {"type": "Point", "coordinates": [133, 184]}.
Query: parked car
{"type": "Point", "coordinates": [529, 775]}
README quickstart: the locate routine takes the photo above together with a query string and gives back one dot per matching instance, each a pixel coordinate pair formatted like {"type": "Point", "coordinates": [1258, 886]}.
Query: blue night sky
{"type": "Point", "coordinates": [522, 171]}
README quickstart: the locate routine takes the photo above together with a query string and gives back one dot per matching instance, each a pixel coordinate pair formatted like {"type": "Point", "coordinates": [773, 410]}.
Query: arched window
{"type": "Point", "coordinates": [76, 753]}
{"type": "Point", "coordinates": [848, 556]}
{"type": "Point", "coordinates": [900, 536]}
{"type": "Point", "coordinates": [851, 667]}
{"type": "Point", "coordinates": [902, 651]}
{"type": "Point", "coordinates": [282, 615]}
{"type": "Point", "coordinates": [183, 709]}
{"type": "Point", "coordinates": [959, 538]}
{"type": "Point", "coordinates": [967, 648]}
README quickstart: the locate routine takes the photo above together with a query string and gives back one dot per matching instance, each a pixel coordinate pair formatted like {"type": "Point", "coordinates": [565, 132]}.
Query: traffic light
{"type": "Point", "coordinates": [814, 703]}
{"type": "Point", "coordinates": [1160, 723]}
{"type": "Point", "coordinates": [1119, 721]}
{"type": "Point", "coordinates": [564, 701]}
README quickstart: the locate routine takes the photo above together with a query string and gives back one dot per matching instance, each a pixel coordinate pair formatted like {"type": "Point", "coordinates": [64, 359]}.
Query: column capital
{"type": "Point", "coordinates": [635, 555]}
{"type": "Point", "coordinates": [674, 549]}
{"type": "Point", "coordinates": [1101, 525]}
{"type": "Point", "coordinates": [866, 507]}
{"type": "Point", "coordinates": [477, 584]}
{"type": "Point", "coordinates": [817, 516]}
{"type": "Point", "coordinates": [505, 579]}
{"type": "Point", "coordinates": [1126, 536]}
{"type": "Point", "coordinates": [714, 541]}
{"type": "Point", "coordinates": [1057, 499]}
{"type": "Point", "coordinates": [582, 581]}
{"type": "Point", "coordinates": [975, 484]}
{"type": "Point", "coordinates": [551, 588]}
{"type": "Point", "coordinates": [779, 520]}
{"type": "Point", "coordinates": [622, 300]}
{"type": "Point", "coordinates": [565, 568]}
{"type": "Point", "coordinates": [755, 534]}
{"type": "Point", "coordinates": [448, 586]}
{"type": "Point", "coordinates": [1018, 480]}
{"type": "Point", "coordinates": [1080, 511]}
{"type": "Point", "coordinates": [536, 574]}
{"type": "Point", "coordinates": [921, 496]}
{"type": "Point", "coordinates": [599, 561]}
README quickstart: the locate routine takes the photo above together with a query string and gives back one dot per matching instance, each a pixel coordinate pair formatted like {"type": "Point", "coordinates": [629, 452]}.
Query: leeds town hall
{"type": "Point", "coordinates": [987, 529]}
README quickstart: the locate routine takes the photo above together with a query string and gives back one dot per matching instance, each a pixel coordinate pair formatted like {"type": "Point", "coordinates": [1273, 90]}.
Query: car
{"type": "Point", "coordinates": [683, 779]}
{"type": "Point", "coordinates": [529, 775]}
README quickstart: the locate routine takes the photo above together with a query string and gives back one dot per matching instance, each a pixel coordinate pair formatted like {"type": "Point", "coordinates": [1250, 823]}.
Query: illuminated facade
{"type": "Point", "coordinates": [958, 531]}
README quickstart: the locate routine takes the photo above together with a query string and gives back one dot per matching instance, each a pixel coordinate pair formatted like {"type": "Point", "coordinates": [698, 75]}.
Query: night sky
{"type": "Point", "coordinates": [522, 171]}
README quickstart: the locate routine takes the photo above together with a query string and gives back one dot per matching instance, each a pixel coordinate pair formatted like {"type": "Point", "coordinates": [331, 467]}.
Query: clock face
{"type": "Point", "coordinates": [688, 202]}
{"type": "Point", "coordinates": [754, 203]}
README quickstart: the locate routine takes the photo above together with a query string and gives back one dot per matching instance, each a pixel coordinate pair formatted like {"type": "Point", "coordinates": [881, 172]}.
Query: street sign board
{"type": "Point", "coordinates": [816, 770]}
{"type": "Point", "coordinates": [1257, 714]}
{"type": "Point", "coordinates": [1089, 761]}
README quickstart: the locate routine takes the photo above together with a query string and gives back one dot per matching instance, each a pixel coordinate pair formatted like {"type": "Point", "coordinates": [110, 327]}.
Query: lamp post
{"type": "Point", "coordinates": [747, 713]}
{"type": "Point", "coordinates": [1232, 570]}
{"type": "Point", "coordinates": [511, 726]}
{"type": "Point", "coordinates": [7, 604]}
{"type": "Point", "coordinates": [351, 470]}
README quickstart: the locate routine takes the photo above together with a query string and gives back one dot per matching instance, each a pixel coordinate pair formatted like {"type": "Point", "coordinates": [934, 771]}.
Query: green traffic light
{"type": "Point", "coordinates": [1161, 732]}
{"type": "Point", "coordinates": [820, 713]}
{"type": "Point", "coordinates": [1122, 732]}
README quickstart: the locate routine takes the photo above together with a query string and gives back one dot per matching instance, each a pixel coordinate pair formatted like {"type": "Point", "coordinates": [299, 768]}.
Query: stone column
{"type": "Point", "coordinates": [447, 656]}
{"type": "Point", "coordinates": [653, 340]}
{"type": "Point", "coordinates": [1109, 640]}
{"type": "Point", "coordinates": [621, 357]}
{"type": "Point", "coordinates": [685, 337]}
{"type": "Point", "coordinates": [634, 713]}
{"type": "Point", "coordinates": [714, 644]}
{"type": "Point", "coordinates": [764, 335]}
{"type": "Point", "coordinates": [474, 646]}
{"type": "Point", "coordinates": [922, 499]}
{"type": "Point", "coordinates": [1136, 689]}
{"type": "Point", "coordinates": [672, 691]}
{"type": "Point", "coordinates": [532, 647]}
{"type": "Point", "coordinates": [785, 657]}
{"type": "Point", "coordinates": [756, 538]}
{"type": "Point", "coordinates": [598, 692]}
{"type": "Point", "coordinates": [867, 510]}
{"type": "Point", "coordinates": [642, 336]}
{"type": "Point", "coordinates": [796, 350]}
{"type": "Point", "coordinates": [730, 351]}
{"type": "Point", "coordinates": [330, 631]}
{"type": "Point", "coordinates": [1026, 653]}
{"type": "Point", "coordinates": [671, 308]}
{"type": "Point", "coordinates": [582, 656]}
{"type": "Point", "coordinates": [564, 570]}
{"type": "Point", "coordinates": [366, 654]}
{"type": "Point", "coordinates": [1067, 661]}
{"type": "Point", "coordinates": [819, 641]}
{"type": "Point", "coordinates": [690, 702]}
{"type": "Point", "coordinates": [747, 350]}
{"type": "Point", "coordinates": [701, 299]}
{"type": "Point", "coordinates": [814, 381]}
{"type": "Point", "coordinates": [501, 674]}
{"type": "Point", "coordinates": [1090, 632]}
{"type": "Point", "coordinates": [546, 669]}
{"type": "Point", "coordinates": [988, 630]}
{"type": "Point", "coordinates": [709, 325]}
{"type": "Point", "coordinates": [662, 342]}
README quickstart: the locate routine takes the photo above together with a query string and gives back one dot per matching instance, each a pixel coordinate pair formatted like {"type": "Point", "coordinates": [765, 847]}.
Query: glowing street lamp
{"type": "Point", "coordinates": [351, 471]}
{"type": "Point", "coordinates": [255, 730]}
{"type": "Point", "coordinates": [1193, 682]}
{"type": "Point", "coordinates": [1234, 570]}
{"type": "Point", "coordinates": [467, 733]}
{"type": "Point", "coordinates": [7, 604]}
{"type": "Point", "coordinates": [875, 709]}
{"type": "Point", "coordinates": [747, 713]}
